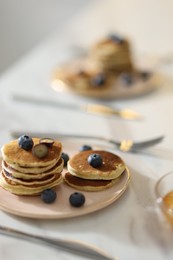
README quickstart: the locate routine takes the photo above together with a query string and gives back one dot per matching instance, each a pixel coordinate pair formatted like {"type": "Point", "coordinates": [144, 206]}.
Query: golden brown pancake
{"type": "Point", "coordinates": [14, 154]}
{"type": "Point", "coordinates": [88, 185]}
{"type": "Point", "coordinates": [28, 175]}
{"type": "Point", "coordinates": [44, 180]}
{"type": "Point", "coordinates": [34, 170]}
{"type": "Point", "coordinates": [34, 189]}
{"type": "Point", "coordinates": [111, 168]}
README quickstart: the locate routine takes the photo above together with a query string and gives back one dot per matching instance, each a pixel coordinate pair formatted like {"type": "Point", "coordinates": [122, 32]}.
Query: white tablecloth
{"type": "Point", "coordinates": [133, 227]}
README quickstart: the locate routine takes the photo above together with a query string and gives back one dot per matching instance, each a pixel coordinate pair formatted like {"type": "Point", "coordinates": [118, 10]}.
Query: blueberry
{"type": "Point", "coordinates": [65, 157]}
{"type": "Point", "coordinates": [85, 147]}
{"type": "Point", "coordinates": [40, 150]}
{"type": "Point", "coordinates": [127, 78]}
{"type": "Point", "coordinates": [8, 174]}
{"type": "Point", "coordinates": [98, 80]}
{"type": "Point", "coordinates": [25, 142]}
{"type": "Point", "coordinates": [116, 38]}
{"type": "Point", "coordinates": [77, 199]}
{"type": "Point", "coordinates": [48, 196]}
{"type": "Point", "coordinates": [145, 75]}
{"type": "Point", "coordinates": [95, 160]}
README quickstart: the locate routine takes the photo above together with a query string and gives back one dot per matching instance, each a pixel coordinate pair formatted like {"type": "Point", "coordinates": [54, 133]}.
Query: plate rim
{"type": "Point", "coordinates": [76, 211]}
{"type": "Point", "coordinates": [153, 83]}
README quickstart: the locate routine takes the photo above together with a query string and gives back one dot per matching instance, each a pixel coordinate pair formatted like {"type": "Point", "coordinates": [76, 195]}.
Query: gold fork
{"type": "Point", "coordinates": [126, 145]}
{"type": "Point", "coordinates": [123, 145]}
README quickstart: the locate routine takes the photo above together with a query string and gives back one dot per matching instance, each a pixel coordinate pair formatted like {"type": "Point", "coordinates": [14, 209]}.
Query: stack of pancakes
{"type": "Point", "coordinates": [113, 56]}
{"type": "Point", "coordinates": [82, 176]}
{"type": "Point", "coordinates": [25, 174]}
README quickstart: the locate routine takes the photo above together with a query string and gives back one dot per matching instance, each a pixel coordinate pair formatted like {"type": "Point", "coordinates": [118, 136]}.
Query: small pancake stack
{"type": "Point", "coordinates": [83, 176]}
{"type": "Point", "coordinates": [99, 73]}
{"type": "Point", "coordinates": [113, 54]}
{"type": "Point", "coordinates": [23, 173]}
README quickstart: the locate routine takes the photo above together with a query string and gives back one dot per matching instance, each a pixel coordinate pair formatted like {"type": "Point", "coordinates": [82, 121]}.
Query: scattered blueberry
{"type": "Point", "coordinates": [40, 150]}
{"type": "Point", "coordinates": [8, 174]}
{"type": "Point", "coordinates": [145, 75]}
{"type": "Point", "coordinates": [65, 157]}
{"type": "Point", "coordinates": [47, 141]}
{"type": "Point", "coordinates": [98, 80]}
{"type": "Point", "coordinates": [48, 196]}
{"type": "Point", "coordinates": [85, 147]}
{"type": "Point", "coordinates": [95, 160]}
{"type": "Point", "coordinates": [127, 78]}
{"type": "Point", "coordinates": [25, 142]}
{"type": "Point", "coordinates": [77, 199]}
{"type": "Point", "coordinates": [116, 38]}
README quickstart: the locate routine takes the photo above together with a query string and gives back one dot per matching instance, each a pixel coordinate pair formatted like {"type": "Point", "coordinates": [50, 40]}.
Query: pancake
{"type": "Point", "coordinates": [34, 170]}
{"type": "Point", "coordinates": [35, 189]}
{"type": "Point", "coordinates": [88, 185]}
{"type": "Point", "coordinates": [13, 154]}
{"type": "Point", "coordinates": [23, 173]}
{"type": "Point", "coordinates": [45, 180]}
{"type": "Point", "coordinates": [28, 175]}
{"type": "Point", "coordinates": [111, 168]}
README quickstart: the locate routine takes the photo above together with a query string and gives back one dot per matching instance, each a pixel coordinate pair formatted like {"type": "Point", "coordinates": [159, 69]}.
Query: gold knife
{"type": "Point", "coordinates": [97, 109]}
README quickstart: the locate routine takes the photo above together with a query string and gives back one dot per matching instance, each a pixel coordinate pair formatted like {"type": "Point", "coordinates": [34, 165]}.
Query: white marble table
{"type": "Point", "coordinates": [132, 227]}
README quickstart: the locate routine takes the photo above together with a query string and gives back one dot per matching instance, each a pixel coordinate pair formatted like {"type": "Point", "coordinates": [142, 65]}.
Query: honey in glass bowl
{"type": "Point", "coordinates": [164, 194]}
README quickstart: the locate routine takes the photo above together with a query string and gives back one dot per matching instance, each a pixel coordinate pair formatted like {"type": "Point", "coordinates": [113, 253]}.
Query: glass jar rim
{"type": "Point", "coordinates": [158, 182]}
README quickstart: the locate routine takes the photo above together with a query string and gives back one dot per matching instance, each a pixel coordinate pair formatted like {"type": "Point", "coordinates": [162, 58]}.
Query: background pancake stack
{"type": "Point", "coordinates": [99, 73]}
{"type": "Point", "coordinates": [82, 176]}
{"type": "Point", "coordinates": [113, 54]}
{"type": "Point", "coordinates": [25, 174]}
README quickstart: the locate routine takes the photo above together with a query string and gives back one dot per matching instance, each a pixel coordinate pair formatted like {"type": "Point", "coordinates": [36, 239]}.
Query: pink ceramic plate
{"type": "Point", "coordinates": [34, 207]}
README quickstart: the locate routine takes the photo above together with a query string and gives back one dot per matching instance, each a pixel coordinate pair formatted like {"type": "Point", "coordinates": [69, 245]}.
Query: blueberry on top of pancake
{"type": "Point", "coordinates": [13, 153]}
{"type": "Point", "coordinates": [95, 160]}
{"type": "Point", "coordinates": [115, 38]}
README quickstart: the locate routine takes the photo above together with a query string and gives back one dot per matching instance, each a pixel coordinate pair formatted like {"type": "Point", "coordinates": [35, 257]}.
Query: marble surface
{"type": "Point", "coordinates": [132, 227]}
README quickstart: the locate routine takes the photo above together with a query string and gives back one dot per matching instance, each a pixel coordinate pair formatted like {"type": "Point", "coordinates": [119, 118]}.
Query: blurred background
{"type": "Point", "coordinates": [24, 24]}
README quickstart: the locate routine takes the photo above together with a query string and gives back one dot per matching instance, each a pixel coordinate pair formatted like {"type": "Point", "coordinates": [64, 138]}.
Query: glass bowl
{"type": "Point", "coordinates": [164, 195]}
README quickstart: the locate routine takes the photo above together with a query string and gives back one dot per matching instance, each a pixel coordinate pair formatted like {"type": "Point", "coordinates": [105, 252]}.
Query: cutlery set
{"type": "Point", "coordinates": [98, 109]}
